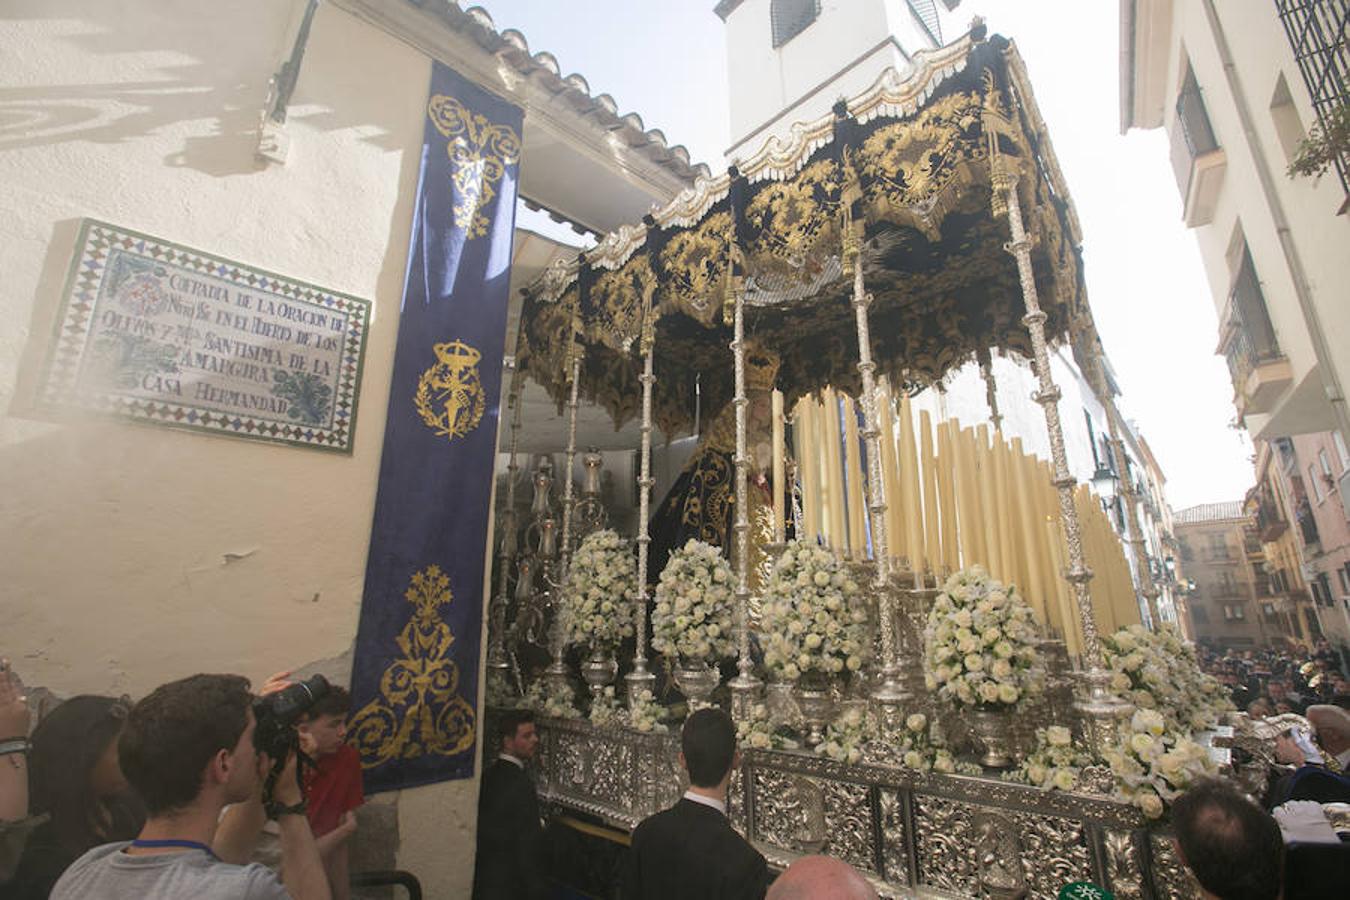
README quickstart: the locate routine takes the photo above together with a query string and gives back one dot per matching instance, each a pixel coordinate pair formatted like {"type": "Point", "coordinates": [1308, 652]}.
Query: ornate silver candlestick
{"type": "Point", "coordinates": [1100, 710]}
{"type": "Point", "coordinates": [640, 679]}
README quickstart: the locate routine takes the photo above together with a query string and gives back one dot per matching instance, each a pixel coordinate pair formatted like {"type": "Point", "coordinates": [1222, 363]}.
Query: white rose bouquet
{"type": "Point", "coordinates": [979, 643]}
{"type": "Point", "coordinates": [846, 736]}
{"type": "Point", "coordinates": [1160, 671]}
{"type": "Point", "coordinates": [646, 715]}
{"type": "Point", "coordinates": [545, 699]}
{"type": "Point", "coordinates": [601, 591]}
{"type": "Point", "coordinates": [694, 617]}
{"type": "Point", "coordinates": [1055, 764]}
{"type": "Point", "coordinates": [814, 616]}
{"type": "Point", "coordinates": [1152, 765]}
{"type": "Point", "coordinates": [920, 752]}
{"type": "Point", "coordinates": [759, 731]}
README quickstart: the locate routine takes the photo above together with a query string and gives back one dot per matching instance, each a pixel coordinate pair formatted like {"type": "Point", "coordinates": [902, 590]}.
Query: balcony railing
{"type": "Point", "coordinates": [1196, 157]}
{"type": "Point", "coordinates": [1307, 526]}
{"type": "Point", "coordinates": [1316, 30]}
{"type": "Point", "coordinates": [1248, 343]}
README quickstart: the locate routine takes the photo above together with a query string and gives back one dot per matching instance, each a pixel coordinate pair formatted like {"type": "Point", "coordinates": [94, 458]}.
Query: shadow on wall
{"type": "Point", "coordinates": [167, 64]}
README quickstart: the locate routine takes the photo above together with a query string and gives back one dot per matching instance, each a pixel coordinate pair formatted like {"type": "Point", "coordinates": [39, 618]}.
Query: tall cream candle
{"type": "Point", "coordinates": [909, 464]}
{"type": "Point", "coordinates": [779, 469]}
{"type": "Point", "coordinates": [809, 465]}
{"type": "Point", "coordinates": [1031, 539]}
{"type": "Point", "coordinates": [1008, 542]}
{"type": "Point", "coordinates": [988, 510]}
{"type": "Point", "coordinates": [946, 473]}
{"type": "Point", "coordinates": [890, 474]}
{"type": "Point", "coordinates": [928, 465]}
{"type": "Point", "coordinates": [834, 480]}
{"type": "Point", "coordinates": [857, 530]}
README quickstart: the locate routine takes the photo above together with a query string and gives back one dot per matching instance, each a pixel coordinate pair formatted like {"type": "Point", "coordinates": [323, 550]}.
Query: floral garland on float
{"type": "Point", "coordinates": [643, 714]}
{"type": "Point", "coordinates": [1159, 670]}
{"type": "Point", "coordinates": [815, 628]}
{"type": "Point", "coordinates": [693, 622]}
{"type": "Point", "coordinates": [1153, 765]}
{"type": "Point", "coordinates": [1054, 764]}
{"type": "Point", "coordinates": [980, 654]}
{"type": "Point", "coordinates": [597, 603]}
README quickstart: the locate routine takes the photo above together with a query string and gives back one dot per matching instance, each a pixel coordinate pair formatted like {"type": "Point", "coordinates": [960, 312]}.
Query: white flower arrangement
{"type": "Point", "coordinates": [499, 693]}
{"type": "Point", "coordinates": [760, 733]}
{"type": "Point", "coordinates": [1055, 764]}
{"type": "Point", "coordinates": [1159, 670]}
{"type": "Point", "coordinates": [1152, 765]}
{"type": "Point", "coordinates": [919, 751]}
{"type": "Point", "coordinates": [814, 616]}
{"type": "Point", "coordinates": [846, 735]}
{"type": "Point", "coordinates": [646, 715]}
{"type": "Point", "coordinates": [980, 642]}
{"type": "Point", "coordinates": [601, 591]}
{"type": "Point", "coordinates": [606, 709]}
{"type": "Point", "coordinates": [545, 699]}
{"type": "Point", "coordinates": [694, 617]}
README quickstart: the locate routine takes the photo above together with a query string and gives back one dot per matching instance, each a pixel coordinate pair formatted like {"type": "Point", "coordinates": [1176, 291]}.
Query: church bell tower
{"type": "Point", "coordinates": [790, 60]}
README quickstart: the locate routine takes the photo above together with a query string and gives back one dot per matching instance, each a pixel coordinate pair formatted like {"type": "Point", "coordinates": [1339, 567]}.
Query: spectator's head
{"type": "Point", "coordinates": [1332, 726]}
{"type": "Point", "coordinates": [326, 721]}
{"type": "Point", "coordinates": [821, 878]}
{"type": "Point", "coordinates": [1277, 689]}
{"type": "Point", "coordinates": [1233, 847]}
{"type": "Point", "coordinates": [192, 739]}
{"type": "Point", "coordinates": [75, 777]}
{"type": "Point", "coordinates": [708, 747]}
{"type": "Point", "coordinates": [1259, 708]}
{"type": "Point", "coordinates": [1294, 747]}
{"type": "Point", "coordinates": [519, 736]}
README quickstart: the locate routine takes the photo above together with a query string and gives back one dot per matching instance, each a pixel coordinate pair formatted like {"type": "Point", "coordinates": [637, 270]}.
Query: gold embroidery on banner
{"type": "Point", "coordinates": [449, 395]}
{"type": "Point", "coordinates": [479, 153]}
{"type": "Point", "coordinates": [419, 711]}
{"type": "Point", "coordinates": [696, 262]}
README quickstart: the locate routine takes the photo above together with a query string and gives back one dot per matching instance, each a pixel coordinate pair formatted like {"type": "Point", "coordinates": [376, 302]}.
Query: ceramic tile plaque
{"type": "Point", "coordinates": [164, 334]}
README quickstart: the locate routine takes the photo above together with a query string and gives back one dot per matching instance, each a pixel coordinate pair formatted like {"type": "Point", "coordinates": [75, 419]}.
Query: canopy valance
{"type": "Point", "coordinates": [899, 179]}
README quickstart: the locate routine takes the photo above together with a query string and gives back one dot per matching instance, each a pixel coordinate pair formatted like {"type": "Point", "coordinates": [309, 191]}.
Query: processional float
{"type": "Point", "coordinates": [921, 226]}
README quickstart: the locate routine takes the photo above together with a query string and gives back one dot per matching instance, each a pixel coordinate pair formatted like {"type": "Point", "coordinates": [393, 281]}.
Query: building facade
{"type": "Point", "coordinates": [1237, 86]}
{"type": "Point", "coordinates": [1216, 551]}
{"type": "Point", "coordinates": [135, 555]}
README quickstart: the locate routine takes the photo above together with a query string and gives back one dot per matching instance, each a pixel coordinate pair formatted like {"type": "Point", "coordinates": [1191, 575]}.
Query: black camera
{"type": "Point", "coordinates": [277, 715]}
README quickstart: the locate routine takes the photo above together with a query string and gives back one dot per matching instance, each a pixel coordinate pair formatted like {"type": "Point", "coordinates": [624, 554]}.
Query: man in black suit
{"type": "Point", "coordinates": [507, 864]}
{"type": "Point", "coordinates": [690, 850]}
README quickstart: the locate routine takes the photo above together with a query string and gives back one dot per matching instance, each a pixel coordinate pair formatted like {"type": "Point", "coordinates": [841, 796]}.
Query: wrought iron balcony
{"type": "Point", "coordinates": [1197, 158]}
{"type": "Point", "coordinates": [1259, 370]}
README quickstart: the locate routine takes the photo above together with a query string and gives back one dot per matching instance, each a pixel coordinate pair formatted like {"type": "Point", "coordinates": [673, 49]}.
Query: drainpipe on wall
{"type": "Point", "coordinates": [1321, 351]}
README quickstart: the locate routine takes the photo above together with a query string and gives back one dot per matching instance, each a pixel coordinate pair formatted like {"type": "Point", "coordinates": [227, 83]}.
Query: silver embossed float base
{"type": "Point", "coordinates": [912, 834]}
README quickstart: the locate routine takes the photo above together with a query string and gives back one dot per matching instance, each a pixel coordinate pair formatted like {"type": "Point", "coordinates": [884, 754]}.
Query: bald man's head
{"type": "Point", "coordinates": [821, 878]}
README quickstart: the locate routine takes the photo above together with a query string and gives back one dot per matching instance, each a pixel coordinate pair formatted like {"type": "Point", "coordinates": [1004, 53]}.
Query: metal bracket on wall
{"type": "Point", "coordinates": [273, 141]}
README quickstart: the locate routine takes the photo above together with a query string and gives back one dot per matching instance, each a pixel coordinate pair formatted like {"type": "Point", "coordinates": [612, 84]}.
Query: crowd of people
{"type": "Point", "coordinates": [173, 796]}
{"type": "Point", "coordinates": [1271, 682]}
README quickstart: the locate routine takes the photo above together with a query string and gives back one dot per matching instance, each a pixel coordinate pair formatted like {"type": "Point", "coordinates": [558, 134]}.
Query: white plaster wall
{"type": "Point", "coordinates": [113, 536]}
{"type": "Point", "coordinates": [765, 80]}
{"type": "Point", "coordinates": [1261, 53]}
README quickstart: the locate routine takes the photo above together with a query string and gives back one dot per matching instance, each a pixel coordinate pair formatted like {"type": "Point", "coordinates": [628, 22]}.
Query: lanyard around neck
{"type": "Point", "coordinates": [171, 842]}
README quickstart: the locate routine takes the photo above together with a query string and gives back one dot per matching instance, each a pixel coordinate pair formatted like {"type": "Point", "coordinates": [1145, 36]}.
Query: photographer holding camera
{"type": "Point", "coordinates": [189, 749]}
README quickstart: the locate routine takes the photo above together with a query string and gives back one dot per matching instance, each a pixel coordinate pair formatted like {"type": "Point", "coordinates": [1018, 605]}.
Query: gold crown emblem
{"type": "Point", "coordinates": [761, 367]}
{"type": "Point", "coordinates": [449, 395]}
{"type": "Point", "coordinates": [457, 355]}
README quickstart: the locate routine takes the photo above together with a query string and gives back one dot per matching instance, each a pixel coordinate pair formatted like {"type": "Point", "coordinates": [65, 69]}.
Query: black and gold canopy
{"type": "Point", "coordinates": [902, 176]}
